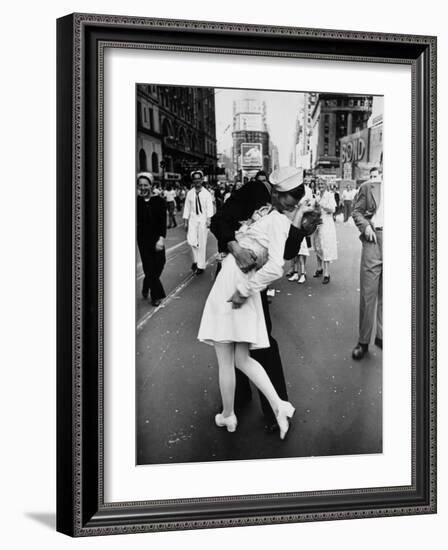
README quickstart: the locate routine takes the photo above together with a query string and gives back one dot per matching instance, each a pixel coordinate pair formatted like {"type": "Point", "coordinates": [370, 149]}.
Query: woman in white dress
{"type": "Point", "coordinates": [324, 238]}
{"type": "Point", "coordinates": [233, 320]}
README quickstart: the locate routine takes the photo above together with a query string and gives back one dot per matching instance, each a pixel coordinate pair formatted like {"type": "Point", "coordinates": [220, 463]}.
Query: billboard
{"type": "Point", "coordinates": [251, 155]}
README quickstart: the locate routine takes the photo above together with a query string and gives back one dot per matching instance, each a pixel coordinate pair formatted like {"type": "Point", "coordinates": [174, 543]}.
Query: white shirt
{"type": "Point", "coordinates": [201, 209]}
{"type": "Point", "coordinates": [346, 195]}
{"type": "Point", "coordinates": [378, 217]}
{"type": "Point", "coordinates": [170, 195]}
{"type": "Point", "coordinates": [270, 233]}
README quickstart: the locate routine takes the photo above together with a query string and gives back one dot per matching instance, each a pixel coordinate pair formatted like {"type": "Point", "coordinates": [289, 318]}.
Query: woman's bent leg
{"type": "Point", "coordinates": [256, 373]}
{"type": "Point", "coordinates": [283, 410]}
{"type": "Point", "coordinates": [225, 353]}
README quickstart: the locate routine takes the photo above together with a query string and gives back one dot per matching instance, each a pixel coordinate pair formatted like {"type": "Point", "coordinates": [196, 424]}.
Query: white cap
{"type": "Point", "coordinates": [146, 175]}
{"type": "Point", "coordinates": [200, 172]}
{"type": "Point", "coordinates": [286, 178]}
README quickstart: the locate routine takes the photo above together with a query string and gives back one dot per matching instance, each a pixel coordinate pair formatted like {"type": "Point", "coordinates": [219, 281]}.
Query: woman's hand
{"type": "Point", "coordinates": [237, 300]}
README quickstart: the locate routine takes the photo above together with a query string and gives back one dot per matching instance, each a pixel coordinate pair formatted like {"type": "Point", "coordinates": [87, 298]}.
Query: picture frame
{"type": "Point", "coordinates": [81, 507]}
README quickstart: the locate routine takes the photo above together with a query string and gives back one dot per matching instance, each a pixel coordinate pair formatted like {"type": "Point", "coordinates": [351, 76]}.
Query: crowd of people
{"type": "Point", "coordinates": [259, 226]}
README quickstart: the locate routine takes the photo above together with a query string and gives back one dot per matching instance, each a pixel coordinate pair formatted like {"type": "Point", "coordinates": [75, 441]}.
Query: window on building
{"type": "Point", "coordinates": [155, 162]}
{"type": "Point", "coordinates": [151, 118]}
{"type": "Point", "coordinates": [139, 113]}
{"type": "Point", "coordinates": [142, 164]}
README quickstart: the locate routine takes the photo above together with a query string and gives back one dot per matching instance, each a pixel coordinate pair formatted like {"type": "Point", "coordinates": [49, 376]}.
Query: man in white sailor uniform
{"type": "Point", "coordinates": [198, 211]}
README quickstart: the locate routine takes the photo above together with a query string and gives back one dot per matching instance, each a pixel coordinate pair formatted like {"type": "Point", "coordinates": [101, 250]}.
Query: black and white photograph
{"type": "Point", "coordinates": [259, 233]}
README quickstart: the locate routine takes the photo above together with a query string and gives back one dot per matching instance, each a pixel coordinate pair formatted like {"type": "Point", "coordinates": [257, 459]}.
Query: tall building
{"type": "Point", "coordinates": [301, 156]}
{"type": "Point", "coordinates": [249, 126]}
{"type": "Point", "coordinates": [175, 131]}
{"type": "Point", "coordinates": [273, 157]}
{"type": "Point", "coordinates": [333, 117]}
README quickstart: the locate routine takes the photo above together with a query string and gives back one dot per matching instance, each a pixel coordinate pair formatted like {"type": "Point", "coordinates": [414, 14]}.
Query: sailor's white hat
{"type": "Point", "coordinates": [286, 178]}
{"type": "Point", "coordinates": [194, 172]}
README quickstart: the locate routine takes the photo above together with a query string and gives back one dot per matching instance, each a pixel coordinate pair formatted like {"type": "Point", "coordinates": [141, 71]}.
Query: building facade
{"type": "Point", "coordinates": [176, 131]}
{"type": "Point", "coordinates": [333, 117]}
{"type": "Point", "coordinates": [363, 149]}
{"type": "Point", "coordinates": [301, 156]}
{"type": "Point", "coordinates": [249, 126]}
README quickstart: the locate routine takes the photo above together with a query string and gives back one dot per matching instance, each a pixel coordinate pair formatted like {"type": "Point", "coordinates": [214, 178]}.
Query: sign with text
{"type": "Point", "coordinates": [251, 155]}
{"type": "Point", "coordinates": [354, 147]}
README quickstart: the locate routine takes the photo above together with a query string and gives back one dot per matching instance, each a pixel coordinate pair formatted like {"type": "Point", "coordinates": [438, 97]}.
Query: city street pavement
{"type": "Point", "coordinates": [338, 401]}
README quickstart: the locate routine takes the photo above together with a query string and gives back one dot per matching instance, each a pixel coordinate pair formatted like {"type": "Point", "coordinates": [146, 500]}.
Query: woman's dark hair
{"type": "Point", "coordinates": [311, 220]}
{"type": "Point", "coordinates": [260, 173]}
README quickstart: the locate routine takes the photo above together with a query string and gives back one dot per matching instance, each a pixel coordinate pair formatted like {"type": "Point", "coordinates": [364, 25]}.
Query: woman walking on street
{"type": "Point", "coordinates": [324, 238]}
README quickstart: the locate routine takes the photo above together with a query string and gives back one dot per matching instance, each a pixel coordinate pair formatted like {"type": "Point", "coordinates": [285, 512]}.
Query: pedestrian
{"type": "Point", "coordinates": [229, 191]}
{"type": "Point", "coordinates": [219, 195]}
{"type": "Point", "coordinates": [211, 190]}
{"type": "Point", "coordinates": [297, 270]}
{"type": "Point", "coordinates": [368, 217]}
{"type": "Point", "coordinates": [337, 199]}
{"type": "Point", "coordinates": [151, 233]}
{"type": "Point", "coordinates": [178, 199]}
{"type": "Point", "coordinates": [170, 197]}
{"type": "Point", "coordinates": [156, 190]}
{"type": "Point", "coordinates": [198, 211]}
{"type": "Point", "coordinates": [347, 197]}
{"type": "Point", "coordinates": [241, 206]}
{"type": "Point", "coordinates": [182, 196]}
{"type": "Point", "coordinates": [324, 239]}
{"type": "Point", "coordinates": [233, 319]}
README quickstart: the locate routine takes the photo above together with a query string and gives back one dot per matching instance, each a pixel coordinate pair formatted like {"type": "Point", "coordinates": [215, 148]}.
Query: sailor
{"type": "Point", "coordinates": [198, 211]}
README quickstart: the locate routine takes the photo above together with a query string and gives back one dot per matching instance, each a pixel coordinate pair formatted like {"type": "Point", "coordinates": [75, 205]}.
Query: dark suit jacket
{"type": "Point", "coordinates": [151, 221]}
{"type": "Point", "coordinates": [365, 206]}
{"type": "Point", "coordinates": [239, 207]}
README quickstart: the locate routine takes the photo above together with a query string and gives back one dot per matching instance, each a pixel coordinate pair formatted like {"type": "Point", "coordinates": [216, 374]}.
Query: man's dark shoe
{"type": "Point", "coordinates": [194, 266]}
{"type": "Point", "coordinates": [379, 342]}
{"type": "Point", "coordinates": [156, 303]}
{"type": "Point", "coordinates": [144, 294]}
{"type": "Point", "coordinates": [359, 351]}
{"type": "Point", "coordinates": [199, 271]}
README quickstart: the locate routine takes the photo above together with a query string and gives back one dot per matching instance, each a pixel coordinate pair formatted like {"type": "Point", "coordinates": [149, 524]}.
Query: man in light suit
{"type": "Point", "coordinates": [368, 216]}
{"type": "Point", "coordinates": [198, 211]}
